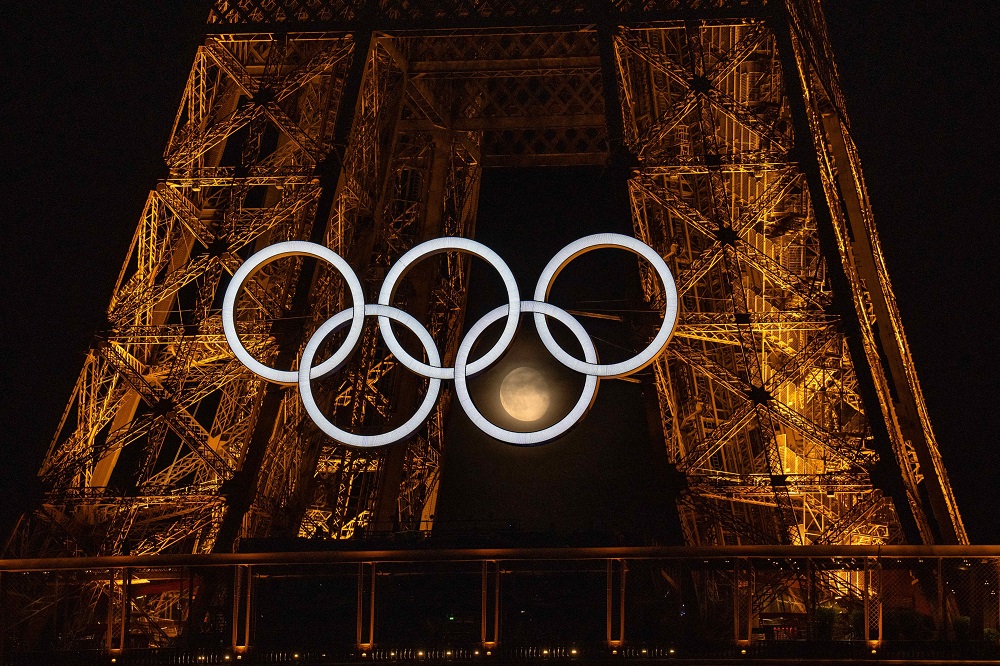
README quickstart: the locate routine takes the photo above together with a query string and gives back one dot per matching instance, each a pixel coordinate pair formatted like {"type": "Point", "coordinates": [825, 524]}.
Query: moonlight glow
{"type": "Point", "coordinates": [524, 393]}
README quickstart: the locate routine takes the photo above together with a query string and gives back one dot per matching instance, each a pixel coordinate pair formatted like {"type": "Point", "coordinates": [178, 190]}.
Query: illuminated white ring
{"type": "Point", "coordinates": [267, 255]}
{"type": "Point", "coordinates": [305, 383]}
{"type": "Point", "coordinates": [594, 242]}
{"type": "Point", "coordinates": [437, 246]}
{"type": "Point", "coordinates": [538, 436]}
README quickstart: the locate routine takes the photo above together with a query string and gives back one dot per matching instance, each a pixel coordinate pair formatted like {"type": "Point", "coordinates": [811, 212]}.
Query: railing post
{"type": "Point", "coordinates": [3, 617]}
{"type": "Point", "coordinates": [743, 588]}
{"type": "Point", "coordinates": [616, 602]}
{"type": "Point", "coordinates": [118, 595]}
{"type": "Point", "coordinates": [812, 600]}
{"type": "Point", "coordinates": [189, 611]}
{"type": "Point", "coordinates": [942, 608]}
{"type": "Point", "coordinates": [366, 605]}
{"type": "Point", "coordinates": [242, 590]}
{"type": "Point", "coordinates": [872, 601]}
{"type": "Point", "coordinates": [490, 630]}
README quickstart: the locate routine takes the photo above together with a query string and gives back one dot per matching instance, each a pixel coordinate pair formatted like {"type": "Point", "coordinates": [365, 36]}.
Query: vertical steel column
{"type": "Point", "coordinates": [743, 587]}
{"type": "Point", "coordinates": [242, 586]}
{"type": "Point", "coordinates": [393, 470]}
{"type": "Point", "coordinates": [872, 601]}
{"type": "Point", "coordinates": [366, 605]}
{"type": "Point", "coordinates": [616, 602]}
{"type": "Point", "coordinates": [934, 492]}
{"type": "Point", "coordinates": [490, 629]}
{"type": "Point", "coordinates": [189, 611]}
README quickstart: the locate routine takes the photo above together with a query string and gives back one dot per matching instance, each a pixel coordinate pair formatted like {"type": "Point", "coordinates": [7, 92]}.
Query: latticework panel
{"type": "Point", "coordinates": [758, 393]}
{"type": "Point", "coordinates": [161, 417]}
{"type": "Point", "coordinates": [271, 12]}
{"type": "Point", "coordinates": [535, 96]}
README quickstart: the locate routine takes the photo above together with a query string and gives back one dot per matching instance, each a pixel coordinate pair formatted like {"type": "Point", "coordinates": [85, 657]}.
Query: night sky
{"type": "Point", "coordinates": [89, 94]}
{"type": "Point", "coordinates": [605, 480]}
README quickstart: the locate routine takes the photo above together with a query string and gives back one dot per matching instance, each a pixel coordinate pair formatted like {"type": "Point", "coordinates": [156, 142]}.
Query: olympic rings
{"type": "Point", "coordinates": [574, 250]}
{"type": "Point", "coordinates": [538, 436]}
{"type": "Point", "coordinates": [266, 256]}
{"type": "Point", "coordinates": [404, 263]}
{"type": "Point", "coordinates": [337, 322]}
{"type": "Point", "coordinates": [432, 369]}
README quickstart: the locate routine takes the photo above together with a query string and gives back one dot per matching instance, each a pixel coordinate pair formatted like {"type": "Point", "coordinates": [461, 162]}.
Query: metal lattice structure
{"type": "Point", "coordinates": [788, 399]}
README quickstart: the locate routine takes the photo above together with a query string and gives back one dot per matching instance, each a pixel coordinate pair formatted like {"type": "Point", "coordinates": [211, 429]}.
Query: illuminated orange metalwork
{"type": "Point", "coordinates": [365, 126]}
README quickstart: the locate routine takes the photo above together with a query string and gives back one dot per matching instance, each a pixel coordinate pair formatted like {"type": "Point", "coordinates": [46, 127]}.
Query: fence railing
{"type": "Point", "coordinates": [849, 602]}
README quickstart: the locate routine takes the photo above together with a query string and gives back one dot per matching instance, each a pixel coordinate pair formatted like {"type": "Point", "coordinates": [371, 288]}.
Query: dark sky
{"type": "Point", "coordinates": [606, 476]}
{"type": "Point", "coordinates": [88, 95]}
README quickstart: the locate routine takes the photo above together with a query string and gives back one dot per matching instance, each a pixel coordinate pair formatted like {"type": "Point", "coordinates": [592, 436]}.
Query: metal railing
{"type": "Point", "coordinates": [767, 602]}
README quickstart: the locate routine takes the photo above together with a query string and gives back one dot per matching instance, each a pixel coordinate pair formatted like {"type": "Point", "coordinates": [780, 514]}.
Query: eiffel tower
{"type": "Point", "coordinates": [787, 402]}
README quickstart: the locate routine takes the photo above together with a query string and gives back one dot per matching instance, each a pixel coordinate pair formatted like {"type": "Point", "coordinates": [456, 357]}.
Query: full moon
{"type": "Point", "coordinates": [524, 393]}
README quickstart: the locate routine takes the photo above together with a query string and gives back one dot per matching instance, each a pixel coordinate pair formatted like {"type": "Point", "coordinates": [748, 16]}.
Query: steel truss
{"type": "Point", "coordinates": [788, 399]}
